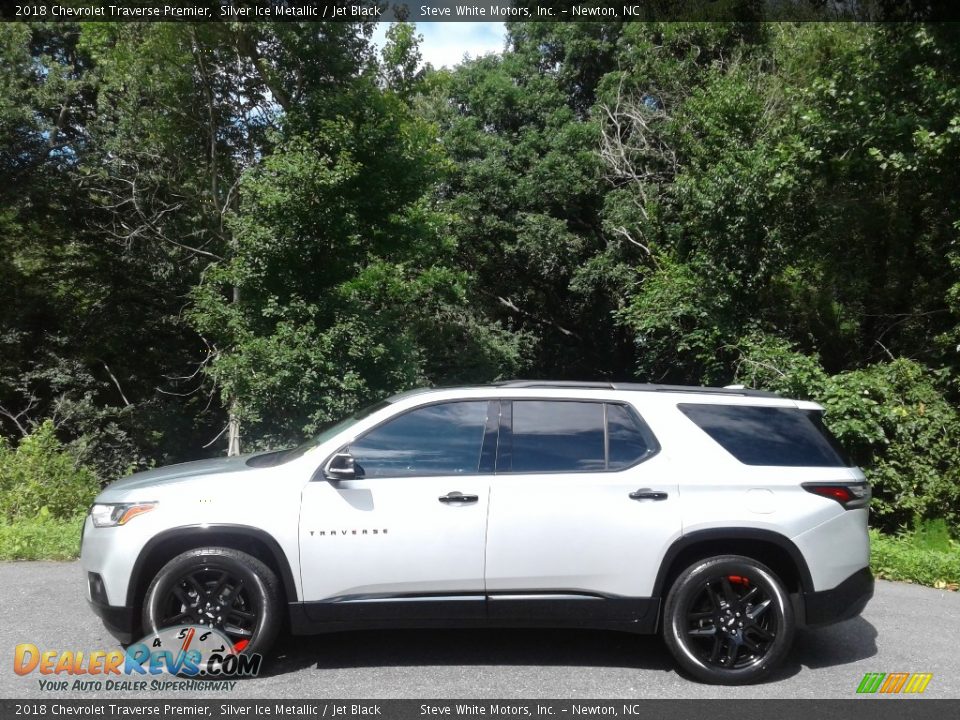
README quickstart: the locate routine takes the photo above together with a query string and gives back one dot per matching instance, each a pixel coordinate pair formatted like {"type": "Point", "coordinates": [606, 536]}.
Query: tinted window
{"type": "Point", "coordinates": [442, 439]}
{"type": "Point", "coordinates": [628, 440]}
{"type": "Point", "coordinates": [767, 435]}
{"type": "Point", "coordinates": [557, 436]}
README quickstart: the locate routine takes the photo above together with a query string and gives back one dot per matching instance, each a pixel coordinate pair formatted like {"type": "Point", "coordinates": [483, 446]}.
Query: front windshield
{"type": "Point", "coordinates": [278, 457]}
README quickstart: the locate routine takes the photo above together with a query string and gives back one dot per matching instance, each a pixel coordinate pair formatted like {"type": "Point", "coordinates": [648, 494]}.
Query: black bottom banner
{"type": "Point", "coordinates": [853, 709]}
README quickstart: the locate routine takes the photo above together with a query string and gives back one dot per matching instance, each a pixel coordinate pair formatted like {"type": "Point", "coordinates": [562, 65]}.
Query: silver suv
{"type": "Point", "coordinates": [723, 518]}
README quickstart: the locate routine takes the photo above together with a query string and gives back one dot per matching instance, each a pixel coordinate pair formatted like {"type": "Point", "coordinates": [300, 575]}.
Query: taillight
{"type": "Point", "coordinates": [850, 495]}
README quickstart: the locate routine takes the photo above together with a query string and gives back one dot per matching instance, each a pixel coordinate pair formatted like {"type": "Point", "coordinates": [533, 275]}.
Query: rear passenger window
{"type": "Point", "coordinates": [569, 436]}
{"type": "Point", "coordinates": [786, 437]}
{"type": "Point", "coordinates": [557, 436]}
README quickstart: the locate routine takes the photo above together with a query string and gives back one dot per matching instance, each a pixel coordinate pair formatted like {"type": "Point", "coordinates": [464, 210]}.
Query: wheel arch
{"type": "Point", "coordinates": [774, 550]}
{"type": "Point", "coordinates": [164, 546]}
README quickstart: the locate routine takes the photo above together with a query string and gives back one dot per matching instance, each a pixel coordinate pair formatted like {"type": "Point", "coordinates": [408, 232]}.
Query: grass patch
{"type": "Point", "coordinates": [926, 556]}
{"type": "Point", "coordinates": [41, 538]}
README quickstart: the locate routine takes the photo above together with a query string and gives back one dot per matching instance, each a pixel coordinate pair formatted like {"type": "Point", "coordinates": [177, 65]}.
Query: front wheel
{"type": "Point", "coordinates": [728, 620]}
{"type": "Point", "coordinates": [220, 588]}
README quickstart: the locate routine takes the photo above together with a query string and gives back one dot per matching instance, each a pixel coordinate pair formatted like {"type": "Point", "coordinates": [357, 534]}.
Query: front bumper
{"type": "Point", "coordinates": [845, 601]}
{"type": "Point", "coordinates": [122, 622]}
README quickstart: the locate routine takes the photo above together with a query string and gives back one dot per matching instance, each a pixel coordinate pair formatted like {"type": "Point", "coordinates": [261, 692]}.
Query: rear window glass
{"type": "Point", "coordinates": [785, 437]}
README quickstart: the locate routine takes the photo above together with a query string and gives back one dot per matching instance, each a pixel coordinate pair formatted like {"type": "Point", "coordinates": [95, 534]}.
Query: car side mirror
{"type": "Point", "coordinates": [340, 467]}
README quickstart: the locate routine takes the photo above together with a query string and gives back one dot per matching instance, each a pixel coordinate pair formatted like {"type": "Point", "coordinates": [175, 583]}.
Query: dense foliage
{"type": "Point", "coordinates": [224, 237]}
{"type": "Point", "coordinates": [40, 478]}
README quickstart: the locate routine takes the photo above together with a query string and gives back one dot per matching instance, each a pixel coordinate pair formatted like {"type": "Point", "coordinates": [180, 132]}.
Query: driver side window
{"type": "Point", "coordinates": [442, 439]}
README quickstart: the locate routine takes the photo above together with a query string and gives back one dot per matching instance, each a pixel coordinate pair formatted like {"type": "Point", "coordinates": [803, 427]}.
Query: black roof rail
{"type": "Point", "coordinates": [637, 387]}
{"type": "Point", "coordinates": [647, 387]}
{"type": "Point", "coordinates": [595, 385]}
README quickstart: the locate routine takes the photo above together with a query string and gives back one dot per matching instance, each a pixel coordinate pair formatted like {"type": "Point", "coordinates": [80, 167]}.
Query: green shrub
{"type": "Point", "coordinates": [909, 557]}
{"type": "Point", "coordinates": [934, 536]}
{"type": "Point", "coordinates": [40, 478]}
{"type": "Point", "coordinates": [40, 538]}
{"type": "Point", "coordinates": [894, 418]}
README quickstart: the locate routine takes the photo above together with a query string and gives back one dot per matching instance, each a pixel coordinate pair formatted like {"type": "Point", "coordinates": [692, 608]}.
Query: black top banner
{"type": "Point", "coordinates": [479, 10]}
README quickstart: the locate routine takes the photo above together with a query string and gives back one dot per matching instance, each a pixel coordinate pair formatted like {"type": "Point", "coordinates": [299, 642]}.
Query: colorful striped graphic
{"type": "Point", "coordinates": [892, 683]}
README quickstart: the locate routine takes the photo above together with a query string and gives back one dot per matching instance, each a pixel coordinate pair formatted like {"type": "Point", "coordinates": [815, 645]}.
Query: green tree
{"type": "Point", "coordinates": [525, 194]}
{"type": "Point", "coordinates": [799, 173]}
{"type": "Point", "coordinates": [344, 294]}
{"type": "Point", "coordinates": [185, 111]}
{"type": "Point", "coordinates": [401, 58]}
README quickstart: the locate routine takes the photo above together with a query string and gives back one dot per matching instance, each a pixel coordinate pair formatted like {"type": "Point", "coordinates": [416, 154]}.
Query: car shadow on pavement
{"type": "Point", "coordinates": [837, 645]}
{"type": "Point", "coordinates": [832, 646]}
{"type": "Point", "coordinates": [467, 647]}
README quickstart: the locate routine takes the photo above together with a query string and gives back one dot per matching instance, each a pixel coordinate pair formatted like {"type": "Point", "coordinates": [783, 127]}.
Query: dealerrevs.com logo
{"type": "Point", "coordinates": [894, 683]}
{"type": "Point", "coordinates": [185, 657]}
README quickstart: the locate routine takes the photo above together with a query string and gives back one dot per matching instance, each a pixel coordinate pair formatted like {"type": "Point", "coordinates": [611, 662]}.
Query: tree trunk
{"type": "Point", "coordinates": [233, 431]}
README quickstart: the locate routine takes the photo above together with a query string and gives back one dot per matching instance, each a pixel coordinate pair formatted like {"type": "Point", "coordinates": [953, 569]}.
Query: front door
{"type": "Point", "coordinates": [405, 538]}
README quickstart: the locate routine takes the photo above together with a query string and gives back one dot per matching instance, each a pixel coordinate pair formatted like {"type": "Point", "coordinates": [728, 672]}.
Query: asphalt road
{"type": "Point", "coordinates": [904, 629]}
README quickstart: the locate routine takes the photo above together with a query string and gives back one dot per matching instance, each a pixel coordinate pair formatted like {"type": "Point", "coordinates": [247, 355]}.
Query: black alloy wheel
{"type": "Point", "coordinates": [728, 620]}
{"type": "Point", "coordinates": [212, 596]}
{"type": "Point", "coordinates": [221, 588]}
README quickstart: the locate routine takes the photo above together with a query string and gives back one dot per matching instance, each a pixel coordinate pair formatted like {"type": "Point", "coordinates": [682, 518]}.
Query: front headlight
{"type": "Point", "coordinates": [113, 514]}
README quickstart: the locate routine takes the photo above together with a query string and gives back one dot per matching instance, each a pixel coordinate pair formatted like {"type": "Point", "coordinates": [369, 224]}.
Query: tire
{"type": "Point", "coordinates": [707, 637]}
{"type": "Point", "coordinates": [249, 590]}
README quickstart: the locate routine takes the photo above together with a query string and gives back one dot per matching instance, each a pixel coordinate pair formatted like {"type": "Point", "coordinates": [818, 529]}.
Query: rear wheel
{"type": "Point", "coordinates": [220, 588]}
{"type": "Point", "coordinates": [728, 620]}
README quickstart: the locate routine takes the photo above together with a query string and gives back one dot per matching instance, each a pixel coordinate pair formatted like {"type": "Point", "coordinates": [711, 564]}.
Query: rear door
{"type": "Point", "coordinates": [582, 507]}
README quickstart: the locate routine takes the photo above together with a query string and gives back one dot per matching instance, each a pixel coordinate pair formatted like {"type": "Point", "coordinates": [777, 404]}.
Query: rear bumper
{"type": "Point", "coordinates": [845, 601]}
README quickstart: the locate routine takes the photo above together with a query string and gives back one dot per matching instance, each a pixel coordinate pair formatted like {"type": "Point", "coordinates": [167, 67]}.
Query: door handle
{"type": "Point", "coordinates": [458, 497]}
{"type": "Point", "coordinates": [648, 494]}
